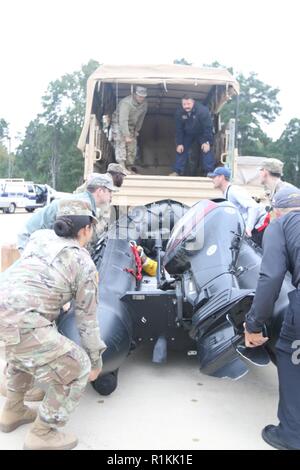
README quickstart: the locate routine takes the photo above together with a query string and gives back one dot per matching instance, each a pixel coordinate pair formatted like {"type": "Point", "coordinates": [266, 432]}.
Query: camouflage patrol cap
{"type": "Point", "coordinates": [141, 91]}
{"type": "Point", "coordinates": [75, 207]}
{"type": "Point", "coordinates": [117, 168]}
{"type": "Point", "coordinates": [273, 165]}
{"type": "Point", "coordinates": [286, 198]}
{"type": "Point", "coordinates": [102, 180]}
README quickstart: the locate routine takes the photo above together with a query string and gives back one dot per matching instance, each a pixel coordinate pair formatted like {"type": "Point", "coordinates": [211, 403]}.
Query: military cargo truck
{"type": "Point", "coordinates": [166, 84]}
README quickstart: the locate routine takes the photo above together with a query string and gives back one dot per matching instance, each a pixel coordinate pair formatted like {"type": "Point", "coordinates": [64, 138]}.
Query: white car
{"type": "Point", "coordinates": [18, 193]}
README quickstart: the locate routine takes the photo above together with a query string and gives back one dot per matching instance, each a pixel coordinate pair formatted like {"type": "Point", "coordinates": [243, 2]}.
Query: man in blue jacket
{"type": "Point", "coordinates": [194, 138]}
{"type": "Point", "coordinates": [281, 254]}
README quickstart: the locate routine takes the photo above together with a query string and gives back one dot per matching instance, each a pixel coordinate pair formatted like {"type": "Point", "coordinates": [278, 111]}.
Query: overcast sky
{"type": "Point", "coordinates": [43, 39]}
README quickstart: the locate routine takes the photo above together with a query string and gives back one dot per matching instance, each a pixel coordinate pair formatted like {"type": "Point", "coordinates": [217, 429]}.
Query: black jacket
{"type": "Point", "coordinates": [281, 253]}
{"type": "Point", "coordinates": [196, 123]}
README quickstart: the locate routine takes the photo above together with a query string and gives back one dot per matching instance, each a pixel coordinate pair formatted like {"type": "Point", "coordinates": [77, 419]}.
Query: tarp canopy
{"type": "Point", "coordinates": [166, 84]}
{"type": "Point", "coordinates": [155, 74]}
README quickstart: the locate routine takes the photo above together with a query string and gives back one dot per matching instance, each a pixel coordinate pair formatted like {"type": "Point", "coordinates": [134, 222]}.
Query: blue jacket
{"type": "Point", "coordinates": [45, 217]}
{"type": "Point", "coordinates": [197, 123]}
{"type": "Point", "coordinates": [281, 253]}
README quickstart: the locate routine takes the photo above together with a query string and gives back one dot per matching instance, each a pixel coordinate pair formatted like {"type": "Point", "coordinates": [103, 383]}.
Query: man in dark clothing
{"type": "Point", "coordinates": [194, 137]}
{"type": "Point", "coordinates": [281, 240]}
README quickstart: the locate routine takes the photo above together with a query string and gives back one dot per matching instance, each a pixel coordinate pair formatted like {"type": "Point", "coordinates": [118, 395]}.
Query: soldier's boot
{"type": "Point", "coordinates": [43, 436]}
{"type": "Point", "coordinates": [34, 394]}
{"type": "Point", "coordinates": [15, 413]}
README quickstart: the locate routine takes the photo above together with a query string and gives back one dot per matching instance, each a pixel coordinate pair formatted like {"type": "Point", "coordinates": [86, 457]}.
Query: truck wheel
{"type": "Point", "coordinates": [106, 384]}
{"type": "Point", "coordinates": [11, 208]}
{"type": "Point", "coordinates": [30, 209]}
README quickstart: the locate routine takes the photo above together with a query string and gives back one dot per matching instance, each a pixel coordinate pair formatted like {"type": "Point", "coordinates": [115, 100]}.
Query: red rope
{"type": "Point", "coordinates": [138, 262]}
{"type": "Point", "coordinates": [267, 220]}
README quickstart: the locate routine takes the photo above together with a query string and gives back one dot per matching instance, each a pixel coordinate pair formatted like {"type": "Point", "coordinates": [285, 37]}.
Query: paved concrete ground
{"type": "Point", "coordinates": [171, 406]}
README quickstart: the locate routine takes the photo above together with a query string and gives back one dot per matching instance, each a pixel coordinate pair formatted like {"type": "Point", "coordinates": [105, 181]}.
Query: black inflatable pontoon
{"type": "Point", "coordinates": [205, 284]}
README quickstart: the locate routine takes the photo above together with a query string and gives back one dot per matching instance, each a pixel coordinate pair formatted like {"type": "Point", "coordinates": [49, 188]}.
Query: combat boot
{"type": "Point", "coordinates": [42, 436]}
{"type": "Point", "coordinates": [34, 394]}
{"type": "Point", "coordinates": [15, 413]}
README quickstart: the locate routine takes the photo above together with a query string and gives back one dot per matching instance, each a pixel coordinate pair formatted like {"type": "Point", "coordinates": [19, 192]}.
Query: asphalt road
{"type": "Point", "coordinates": [170, 406]}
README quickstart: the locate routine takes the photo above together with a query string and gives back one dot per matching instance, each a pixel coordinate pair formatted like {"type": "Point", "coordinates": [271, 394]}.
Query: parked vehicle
{"type": "Point", "coordinates": [18, 193]}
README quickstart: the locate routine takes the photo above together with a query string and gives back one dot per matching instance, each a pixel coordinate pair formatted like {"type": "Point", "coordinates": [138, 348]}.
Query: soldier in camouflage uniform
{"type": "Point", "coordinates": [98, 193]}
{"type": "Point", "coordinates": [118, 173]}
{"type": "Point", "coordinates": [271, 171]}
{"type": "Point", "coordinates": [127, 122]}
{"type": "Point", "coordinates": [115, 170]}
{"type": "Point", "coordinates": [54, 268]}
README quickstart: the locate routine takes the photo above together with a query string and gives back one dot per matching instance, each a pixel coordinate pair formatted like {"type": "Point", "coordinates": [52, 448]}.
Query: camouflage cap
{"type": "Point", "coordinates": [273, 165]}
{"type": "Point", "coordinates": [117, 168]}
{"type": "Point", "coordinates": [286, 198]}
{"type": "Point", "coordinates": [102, 180]}
{"type": "Point", "coordinates": [75, 207]}
{"type": "Point", "coordinates": [141, 91]}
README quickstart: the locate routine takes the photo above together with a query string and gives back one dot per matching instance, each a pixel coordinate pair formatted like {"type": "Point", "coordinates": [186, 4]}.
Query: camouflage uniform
{"type": "Point", "coordinates": [103, 215]}
{"type": "Point", "coordinates": [51, 272]}
{"type": "Point", "coordinates": [104, 211]}
{"type": "Point", "coordinates": [101, 227]}
{"type": "Point", "coordinates": [127, 121]}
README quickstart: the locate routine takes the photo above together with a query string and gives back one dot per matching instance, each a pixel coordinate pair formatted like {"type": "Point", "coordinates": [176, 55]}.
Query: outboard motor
{"type": "Point", "coordinates": [225, 267]}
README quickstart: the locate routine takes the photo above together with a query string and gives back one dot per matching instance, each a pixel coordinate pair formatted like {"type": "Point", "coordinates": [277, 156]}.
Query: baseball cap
{"type": "Point", "coordinates": [117, 168]}
{"type": "Point", "coordinates": [75, 207]}
{"type": "Point", "coordinates": [286, 198]}
{"type": "Point", "coordinates": [273, 165]}
{"type": "Point", "coordinates": [102, 180]}
{"type": "Point", "coordinates": [141, 91]}
{"type": "Point", "coordinates": [220, 170]}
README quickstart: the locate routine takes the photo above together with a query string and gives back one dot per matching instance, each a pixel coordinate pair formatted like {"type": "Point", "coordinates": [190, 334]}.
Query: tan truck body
{"type": "Point", "coordinates": [166, 84]}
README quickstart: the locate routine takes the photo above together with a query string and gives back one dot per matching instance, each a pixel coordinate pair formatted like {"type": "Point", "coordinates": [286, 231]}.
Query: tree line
{"type": "Point", "coordinates": [48, 151]}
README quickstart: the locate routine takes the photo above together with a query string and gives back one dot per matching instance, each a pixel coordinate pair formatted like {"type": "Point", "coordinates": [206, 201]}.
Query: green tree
{"type": "Point", "coordinates": [3, 128]}
{"type": "Point", "coordinates": [256, 104]}
{"type": "Point", "coordinates": [3, 161]}
{"type": "Point", "coordinates": [182, 61]}
{"type": "Point", "coordinates": [6, 159]}
{"type": "Point", "coordinates": [288, 149]}
{"type": "Point", "coordinates": [33, 155]}
{"type": "Point", "coordinates": [48, 152]}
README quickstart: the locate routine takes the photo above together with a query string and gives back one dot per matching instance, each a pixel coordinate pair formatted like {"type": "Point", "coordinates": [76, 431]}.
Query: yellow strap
{"type": "Point", "coordinates": [150, 267]}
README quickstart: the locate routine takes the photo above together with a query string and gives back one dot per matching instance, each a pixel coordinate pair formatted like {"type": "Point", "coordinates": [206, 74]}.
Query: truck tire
{"type": "Point", "coordinates": [106, 384]}
{"type": "Point", "coordinates": [30, 209]}
{"type": "Point", "coordinates": [11, 208]}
